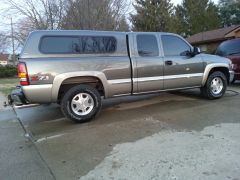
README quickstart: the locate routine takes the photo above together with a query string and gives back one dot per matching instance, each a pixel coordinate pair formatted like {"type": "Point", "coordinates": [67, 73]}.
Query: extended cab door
{"type": "Point", "coordinates": [180, 69]}
{"type": "Point", "coordinates": [147, 63]}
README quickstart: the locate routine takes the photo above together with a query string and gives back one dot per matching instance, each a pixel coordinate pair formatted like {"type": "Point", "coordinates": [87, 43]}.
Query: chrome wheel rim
{"type": "Point", "coordinates": [82, 104]}
{"type": "Point", "coordinates": [216, 85]}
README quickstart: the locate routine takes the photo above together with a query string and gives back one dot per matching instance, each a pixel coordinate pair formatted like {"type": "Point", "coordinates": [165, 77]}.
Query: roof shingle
{"type": "Point", "coordinates": [213, 35]}
{"type": "Point", "coordinates": [4, 57]}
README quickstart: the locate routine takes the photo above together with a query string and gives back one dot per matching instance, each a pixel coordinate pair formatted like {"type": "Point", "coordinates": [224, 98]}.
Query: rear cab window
{"type": "Point", "coordinates": [77, 44]}
{"type": "Point", "coordinates": [147, 45]}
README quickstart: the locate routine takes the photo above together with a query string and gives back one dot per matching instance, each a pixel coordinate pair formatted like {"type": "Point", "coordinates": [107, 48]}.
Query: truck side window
{"type": "Point", "coordinates": [147, 45]}
{"type": "Point", "coordinates": [174, 46]}
{"type": "Point", "coordinates": [77, 45]}
{"type": "Point", "coordinates": [55, 45]}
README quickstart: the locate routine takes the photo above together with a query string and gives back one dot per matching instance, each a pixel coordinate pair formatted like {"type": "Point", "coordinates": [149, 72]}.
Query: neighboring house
{"type": "Point", "coordinates": [4, 59]}
{"type": "Point", "coordinates": [209, 40]}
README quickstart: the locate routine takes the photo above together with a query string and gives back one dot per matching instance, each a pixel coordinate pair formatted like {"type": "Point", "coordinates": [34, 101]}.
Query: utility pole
{"type": "Point", "coordinates": [13, 46]}
{"type": "Point", "coordinates": [88, 12]}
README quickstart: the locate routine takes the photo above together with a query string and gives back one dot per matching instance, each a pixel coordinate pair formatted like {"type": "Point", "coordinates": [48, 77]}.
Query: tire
{"type": "Point", "coordinates": [81, 103]}
{"type": "Point", "coordinates": [215, 86]}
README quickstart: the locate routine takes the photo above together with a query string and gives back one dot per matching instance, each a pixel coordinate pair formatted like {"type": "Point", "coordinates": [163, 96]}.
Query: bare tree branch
{"type": "Point", "coordinates": [96, 15]}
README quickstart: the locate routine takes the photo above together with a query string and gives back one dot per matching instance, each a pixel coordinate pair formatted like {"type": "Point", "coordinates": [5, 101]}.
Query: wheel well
{"type": "Point", "coordinates": [74, 81]}
{"type": "Point", "coordinates": [224, 70]}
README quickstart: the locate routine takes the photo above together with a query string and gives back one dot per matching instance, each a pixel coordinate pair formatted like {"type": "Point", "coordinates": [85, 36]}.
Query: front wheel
{"type": "Point", "coordinates": [215, 86]}
{"type": "Point", "coordinates": [81, 103]}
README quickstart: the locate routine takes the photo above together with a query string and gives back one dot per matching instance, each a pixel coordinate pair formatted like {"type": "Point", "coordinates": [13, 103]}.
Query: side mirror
{"type": "Point", "coordinates": [196, 51]}
{"type": "Point", "coordinates": [191, 53]}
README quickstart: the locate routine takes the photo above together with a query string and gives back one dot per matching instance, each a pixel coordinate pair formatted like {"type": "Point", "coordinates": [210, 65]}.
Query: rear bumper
{"type": "Point", "coordinates": [17, 97]}
{"type": "Point", "coordinates": [32, 94]}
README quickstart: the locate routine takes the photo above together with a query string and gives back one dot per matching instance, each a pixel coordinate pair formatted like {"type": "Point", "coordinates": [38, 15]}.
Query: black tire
{"type": "Point", "coordinates": [207, 92]}
{"type": "Point", "coordinates": [67, 107]}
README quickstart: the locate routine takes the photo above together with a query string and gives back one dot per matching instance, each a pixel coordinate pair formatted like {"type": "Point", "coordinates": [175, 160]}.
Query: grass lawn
{"type": "Point", "coordinates": [7, 85]}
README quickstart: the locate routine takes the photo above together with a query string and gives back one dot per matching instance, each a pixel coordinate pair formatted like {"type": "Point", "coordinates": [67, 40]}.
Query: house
{"type": "Point", "coordinates": [4, 59]}
{"type": "Point", "coordinates": [210, 40]}
{"type": "Point", "coordinates": [7, 59]}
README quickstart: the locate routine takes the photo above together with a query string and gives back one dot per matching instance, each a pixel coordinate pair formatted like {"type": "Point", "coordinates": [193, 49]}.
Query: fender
{"type": "Point", "coordinates": [209, 67]}
{"type": "Point", "coordinates": [61, 77]}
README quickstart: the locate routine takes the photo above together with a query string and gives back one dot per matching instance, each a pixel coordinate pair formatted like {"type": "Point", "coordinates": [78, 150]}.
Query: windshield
{"type": "Point", "coordinates": [229, 48]}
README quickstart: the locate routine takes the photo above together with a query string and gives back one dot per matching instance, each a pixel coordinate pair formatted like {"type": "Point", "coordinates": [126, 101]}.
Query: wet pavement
{"type": "Point", "coordinates": [19, 157]}
{"type": "Point", "coordinates": [2, 100]}
{"type": "Point", "coordinates": [133, 132]}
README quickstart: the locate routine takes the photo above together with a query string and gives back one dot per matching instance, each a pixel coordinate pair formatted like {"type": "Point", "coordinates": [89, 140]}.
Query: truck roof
{"type": "Point", "coordinates": [92, 32]}
{"type": "Point", "coordinates": [75, 32]}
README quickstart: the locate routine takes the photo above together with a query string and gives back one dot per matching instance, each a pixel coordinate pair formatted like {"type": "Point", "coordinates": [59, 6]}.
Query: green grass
{"type": "Point", "coordinates": [7, 85]}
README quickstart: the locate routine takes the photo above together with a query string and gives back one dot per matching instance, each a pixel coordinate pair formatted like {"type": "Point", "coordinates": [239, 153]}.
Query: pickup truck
{"type": "Point", "coordinates": [78, 69]}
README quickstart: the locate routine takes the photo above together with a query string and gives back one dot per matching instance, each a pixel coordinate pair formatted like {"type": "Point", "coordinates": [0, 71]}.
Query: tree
{"type": "Point", "coordinates": [42, 14]}
{"type": "Point", "coordinates": [194, 16]}
{"type": "Point", "coordinates": [3, 43]}
{"type": "Point", "coordinates": [96, 15]}
{"type": "Point", "coordinates": [229, 12]}
{"type": "Point", "coordinates": [152, 15]}
{"type": "Point", "coordinates": [35, 15]}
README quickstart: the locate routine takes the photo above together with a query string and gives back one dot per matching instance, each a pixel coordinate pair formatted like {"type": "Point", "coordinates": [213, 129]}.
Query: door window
{"type": "Point", "coordinates": [174, 46]}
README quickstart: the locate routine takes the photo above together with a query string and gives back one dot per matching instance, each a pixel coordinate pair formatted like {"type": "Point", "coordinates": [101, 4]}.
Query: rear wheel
{"type": "Point", "coordinates": [215, 86]}
{"type": "Point", "coordinates": [81, 103]}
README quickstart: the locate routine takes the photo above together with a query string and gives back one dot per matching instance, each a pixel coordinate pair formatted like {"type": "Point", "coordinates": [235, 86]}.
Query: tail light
{"type": "Point", "coordinates": [22, 74]}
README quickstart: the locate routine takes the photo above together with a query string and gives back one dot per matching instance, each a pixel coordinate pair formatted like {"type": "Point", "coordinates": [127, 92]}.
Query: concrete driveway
{"type": "Point", "coordinates": [166, 136]}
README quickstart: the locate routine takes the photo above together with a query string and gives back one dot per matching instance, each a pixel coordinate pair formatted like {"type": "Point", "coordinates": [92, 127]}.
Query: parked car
{"type": "Point", "coordinates": [231, 50]}
{"type": "Point", "coordinates": [77, 69]}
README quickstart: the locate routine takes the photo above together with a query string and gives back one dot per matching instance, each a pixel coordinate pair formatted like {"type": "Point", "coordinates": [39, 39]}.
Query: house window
{"type": "Point", "coordinates": [203, 48]}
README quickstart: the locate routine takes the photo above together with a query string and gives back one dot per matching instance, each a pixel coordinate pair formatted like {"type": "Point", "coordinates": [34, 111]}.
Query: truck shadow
{"type": "Point", "coordinates": [48, 119]}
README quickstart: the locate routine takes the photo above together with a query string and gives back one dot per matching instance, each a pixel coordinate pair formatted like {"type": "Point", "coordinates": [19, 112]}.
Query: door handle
{"type": "Point", "coordinates": [168, 63]}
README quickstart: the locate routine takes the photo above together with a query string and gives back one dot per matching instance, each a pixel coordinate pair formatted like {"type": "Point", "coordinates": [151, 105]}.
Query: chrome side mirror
{"type": "Point", "coordinates": [196, 50]}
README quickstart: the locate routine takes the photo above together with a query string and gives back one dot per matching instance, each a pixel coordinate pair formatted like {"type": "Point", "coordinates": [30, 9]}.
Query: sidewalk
{"type": "Point", "coordinates": [19, 158]}
{"type": "Point", "coordinates": [2, 100]}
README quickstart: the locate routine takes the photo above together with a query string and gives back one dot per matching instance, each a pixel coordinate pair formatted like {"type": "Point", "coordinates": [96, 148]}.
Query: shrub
{"type": "Point", "coordinates": [8, 71]}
